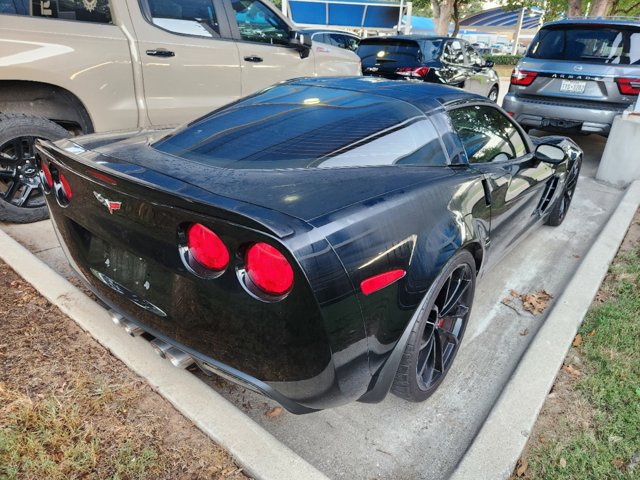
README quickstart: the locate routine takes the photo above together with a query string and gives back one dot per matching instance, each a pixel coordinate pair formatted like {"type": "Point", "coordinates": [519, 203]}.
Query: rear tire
{"type": "Point", "coordinates": [493, 94]}
{"type": "Point", "coordinates": [560, 208]}
{"type": "Point", "coordinates": [438, 331]}
{"type": "Point", "coordinates": [21, 198]}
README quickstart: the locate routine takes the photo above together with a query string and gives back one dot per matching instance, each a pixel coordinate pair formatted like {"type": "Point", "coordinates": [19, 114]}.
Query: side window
{"type": "Point", "coordinates": [321, 37]}
{"type": "Point", "coordinates": [338, 40]}
{"type": "Point", "coordinates": [487, 135]}
{"type": "Point", "coordinates": [258, 23]}
{"type": "Point", "coordinates": [187, 17]}
{"type": "Point", "coordinates": [453, 53]}
{"type": "Point", "coordinates": [473, 57]}
{"type": "Point", "coordinates": [96, 11]}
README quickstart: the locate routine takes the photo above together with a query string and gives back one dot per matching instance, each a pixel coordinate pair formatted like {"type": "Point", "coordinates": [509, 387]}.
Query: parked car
{"type": "Point", "coordinates": [444, 60]}
{"type": "Point", "coordinates": [291, 246]}
{"type": "Point", "coordinates": [336, 38]}
{"type": "Point", "coordinates": [578, 75]}
{"type": "Point", "coordinates": [94, 66]}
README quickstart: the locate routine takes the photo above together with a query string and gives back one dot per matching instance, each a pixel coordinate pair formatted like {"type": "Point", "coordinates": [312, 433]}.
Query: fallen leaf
{"type": "Point", "coordinates": [274, 412]}
{"type": "Point", "coordinates": [592, 333]}
{"type": "Point", "coordinates": [524, 333]}
{"type": "Point", "coordinates": [514, 293]}
{"type": "Point", "coordinates": [536, 303]}
{"type": "Point", "coordinates": [506, 300]}
{"type": "Point", "coordinates": [577, 341]}
{"type": "Point", "coordinates": [618, 463]}
{"type": "Point", "coordinates": [541, 439]}
{"type": "Point", "coordinates": [571, 370]}
{"type": "Point", "coordinates": [522, 466]}
{"type": "Point", "coordinates": [563, 463]}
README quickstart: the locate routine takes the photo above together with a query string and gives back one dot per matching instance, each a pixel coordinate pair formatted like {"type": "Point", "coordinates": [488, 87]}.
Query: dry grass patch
{"type": "Point", "coordinates": [69, 409]}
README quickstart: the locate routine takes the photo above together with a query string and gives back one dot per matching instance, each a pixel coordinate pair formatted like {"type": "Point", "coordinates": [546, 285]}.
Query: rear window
{"type": "Point", "coordinates": [400, 51]}
{"type": "Point", "coordinates": [295, 126]}
{"type": "Point", "coordinates": [597, 44]}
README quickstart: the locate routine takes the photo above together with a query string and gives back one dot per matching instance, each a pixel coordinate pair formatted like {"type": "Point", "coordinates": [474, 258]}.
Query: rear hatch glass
{"type": "Point", "coordinates": [607, 44]}
{"type": "Point", "coordinates": [395, 53]}
{"type": "Point", "coordinates": [294, 126]}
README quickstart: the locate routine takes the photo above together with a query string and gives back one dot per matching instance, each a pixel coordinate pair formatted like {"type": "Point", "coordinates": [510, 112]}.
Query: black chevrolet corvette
{"type": "Point", "coordinates": [319, 241]}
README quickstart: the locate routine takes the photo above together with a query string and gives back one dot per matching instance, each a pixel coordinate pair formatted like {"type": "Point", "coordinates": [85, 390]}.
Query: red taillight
{"type": "Point", "coordinates": [413, 72]}
{"type": "Point", "coordinates": [628, 86]}
{"type": "Point", "coordinates": [66, 188]}
{"type": "Point", "coordinates": [47, 175]}
{"type": "Point", "coordinates": [378, 282]}
{"type": "Point", "coordinates": [207, 248]}
{"type": "Point", "coordinates": [522, 77]}
{"type": "Point", "coordinates": [268, 269]}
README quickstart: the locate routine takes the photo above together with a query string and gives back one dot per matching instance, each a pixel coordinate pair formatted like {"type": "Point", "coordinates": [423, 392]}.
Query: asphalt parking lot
{"type": "Point", "coordinates": [396, 439]}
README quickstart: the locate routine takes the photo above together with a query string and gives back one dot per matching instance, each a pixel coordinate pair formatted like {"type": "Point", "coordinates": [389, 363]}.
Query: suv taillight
{"type": "Point", "coordinates": [628, 86]}
{"type": "Point", "coordinates": [419, 72]}
{"type": "Point", "coordinates": [522, 77]}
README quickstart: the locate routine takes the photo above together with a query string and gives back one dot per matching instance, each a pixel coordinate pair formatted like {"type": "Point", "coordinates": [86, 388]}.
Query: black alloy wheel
{"type": "Point", "coordinates": [437, 334]}
{"type": "Point", "coordinates": [21, 198]}
{"type": "Point", "coordinates": [561, 207]}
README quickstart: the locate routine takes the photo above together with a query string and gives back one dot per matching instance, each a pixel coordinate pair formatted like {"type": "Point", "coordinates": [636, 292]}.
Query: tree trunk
{"type": "Point", "coordinates": [442, 16]}
{"type": "Point", "coordinates": [575, 8]}
{"type": "Point", "coordinates": [456, 18]}
{"type": "Point", "coordinates": [600, 8]}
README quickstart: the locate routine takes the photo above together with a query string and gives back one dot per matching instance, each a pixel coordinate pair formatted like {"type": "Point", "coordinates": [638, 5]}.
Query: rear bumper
{"type": "Point", "coordinates": [560, 115]}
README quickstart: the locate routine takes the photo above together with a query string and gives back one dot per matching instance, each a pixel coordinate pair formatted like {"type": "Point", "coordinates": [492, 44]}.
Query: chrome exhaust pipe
{"type": "Point", "coordinates": [160, 347]}
{"type": "Point", "coordinates": [178, 358]}
{"type": "Point", "coordinates": [116, 318]}
{"type": "Point", "coordinates": [129, 327]}
{"type": "Point", "coordinates": [132, 329]}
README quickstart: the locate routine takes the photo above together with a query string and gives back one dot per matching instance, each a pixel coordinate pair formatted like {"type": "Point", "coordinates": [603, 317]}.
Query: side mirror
{"type": "Point", "coordinates": [549, 153]}
{"type": "Point", "coordinates": [489, 63]}
{"type": "Point", "coordinates": [301, 42]}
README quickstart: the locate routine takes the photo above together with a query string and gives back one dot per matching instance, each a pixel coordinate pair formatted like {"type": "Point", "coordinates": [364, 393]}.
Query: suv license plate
{"type": "Point", "coordinates": [572, 86]}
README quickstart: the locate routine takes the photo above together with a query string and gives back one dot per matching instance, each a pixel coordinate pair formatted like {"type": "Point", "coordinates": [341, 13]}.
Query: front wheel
{"type": "Point", "coordinates": [438, 331]}
{"type": "Point", "coordinates": [21, 198]}
{"type": "Point", "coordinates": [559, 210]}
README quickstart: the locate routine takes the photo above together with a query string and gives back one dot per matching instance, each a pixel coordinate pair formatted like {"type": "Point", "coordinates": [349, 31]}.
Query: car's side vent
{"type": "Point", "coordinates": [549, 191]}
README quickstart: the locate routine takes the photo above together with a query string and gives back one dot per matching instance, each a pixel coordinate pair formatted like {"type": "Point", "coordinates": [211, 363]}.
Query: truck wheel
{"type": "Point", "coordinates": [21, 198]}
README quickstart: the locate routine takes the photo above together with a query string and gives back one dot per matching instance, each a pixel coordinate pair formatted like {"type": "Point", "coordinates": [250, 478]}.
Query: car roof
{"type": "Point", "coordinates": [326, 30]}
{"type": "Point", "coordinates": [424, 95]}
{"type": "Point", "coordinates": [411, 37]}
{"type": "Point", "coordinates": [630, 22]}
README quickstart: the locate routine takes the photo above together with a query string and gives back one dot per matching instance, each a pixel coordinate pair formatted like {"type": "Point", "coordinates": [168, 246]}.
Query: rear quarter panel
{"type": "Point", "coordinates": [416, 229]}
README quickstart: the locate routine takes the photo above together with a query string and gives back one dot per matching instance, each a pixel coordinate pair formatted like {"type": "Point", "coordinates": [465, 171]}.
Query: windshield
{"type": "Point", "coordinates": [405, 52]}
{"type": "Point", "coordinates": [296, 126]}
{"type": "Point", "coordinates": [606, 44]}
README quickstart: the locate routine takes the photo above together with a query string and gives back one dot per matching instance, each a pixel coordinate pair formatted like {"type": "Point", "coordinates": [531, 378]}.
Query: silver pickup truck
{"type": "Point", "coordinates": [83, 66]}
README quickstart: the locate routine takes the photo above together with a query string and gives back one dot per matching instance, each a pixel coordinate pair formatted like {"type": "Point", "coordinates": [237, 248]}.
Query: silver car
{"type": "Point", "coordinates": [577, 75]}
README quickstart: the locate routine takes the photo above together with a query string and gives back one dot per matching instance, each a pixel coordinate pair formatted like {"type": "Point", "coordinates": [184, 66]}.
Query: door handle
{"type": "Point", "coordinates": [160, 52]}
{"type": "Point", "coordinates": [253, 58]}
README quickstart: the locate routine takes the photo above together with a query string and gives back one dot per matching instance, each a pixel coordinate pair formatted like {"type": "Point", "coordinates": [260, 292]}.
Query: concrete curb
{"type": "Point", "coordinates": [503, 436]}
{"type": "Point", "coordinates": [257, 451]}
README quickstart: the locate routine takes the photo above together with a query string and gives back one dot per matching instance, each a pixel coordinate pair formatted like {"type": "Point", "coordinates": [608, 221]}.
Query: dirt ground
{"type": "Point", "coordinates": [69, 409]}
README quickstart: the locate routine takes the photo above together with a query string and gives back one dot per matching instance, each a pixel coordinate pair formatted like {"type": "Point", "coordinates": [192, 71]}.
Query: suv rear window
{"type": "Point", "coordinates": [596, 44]}
{"type": "Point", "coordinates": [294, 126]}
{"type": "Point", "coordinates": [405, 52]}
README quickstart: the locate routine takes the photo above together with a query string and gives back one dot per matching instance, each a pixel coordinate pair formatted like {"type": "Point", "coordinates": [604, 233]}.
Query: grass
{"type": "Point", "coordinates": [50, 437]}
{"type": "Point", "coordinates": [608, 446]}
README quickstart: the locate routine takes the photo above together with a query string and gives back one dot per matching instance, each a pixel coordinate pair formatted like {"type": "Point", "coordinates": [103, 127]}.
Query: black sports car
{"type": "Point", "coordinates": [319, 241]}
